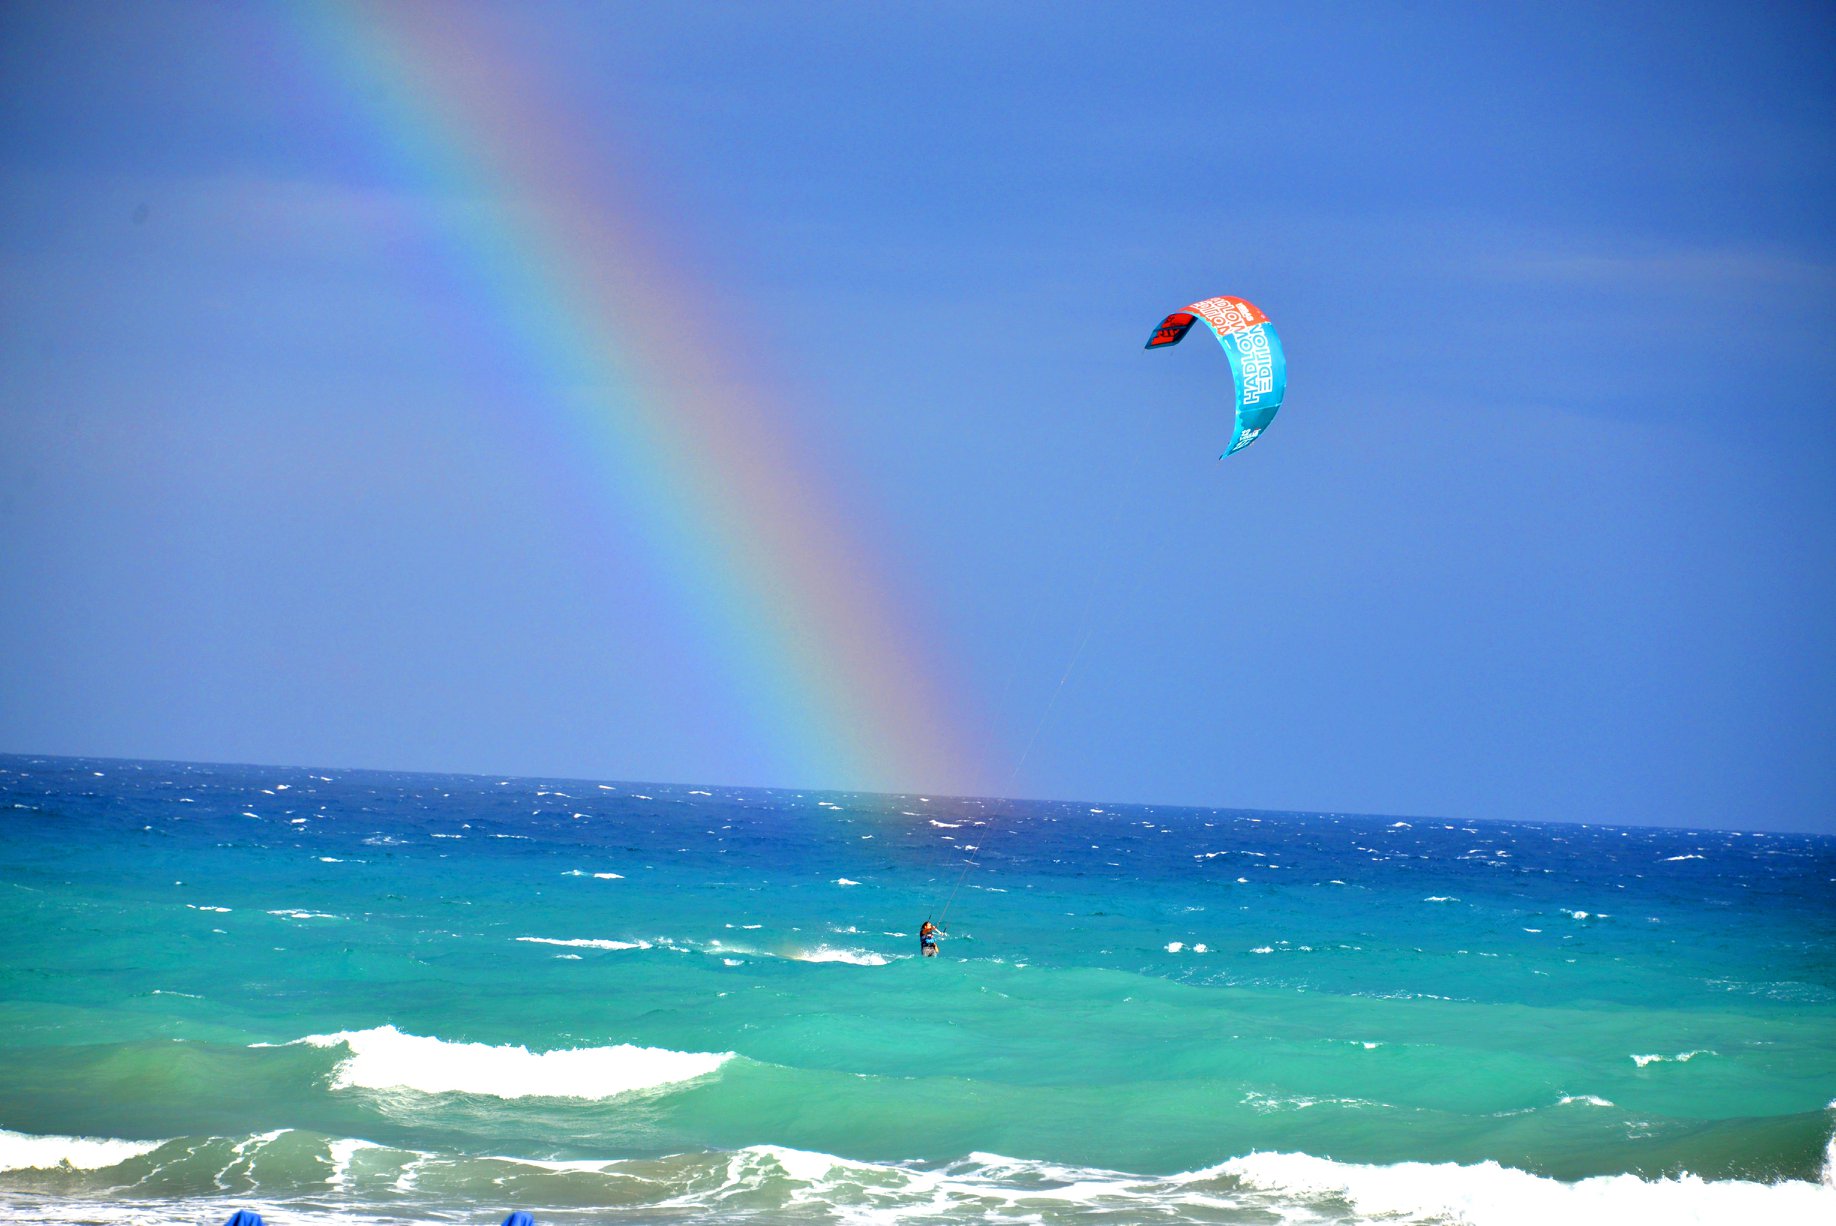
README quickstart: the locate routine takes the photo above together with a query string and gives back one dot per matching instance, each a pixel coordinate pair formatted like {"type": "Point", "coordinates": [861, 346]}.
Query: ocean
{"type": "Point", "coordinates": [343, 996]}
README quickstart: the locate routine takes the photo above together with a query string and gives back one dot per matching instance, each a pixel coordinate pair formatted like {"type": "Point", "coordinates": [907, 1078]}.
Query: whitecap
{"type": "Point", "coordinates": [384, 1058]}
{"type": "Point", "coordinates": [21, 1151]}
{"type": "Point", "coordinates": [855, 957]}
{"type": "Point", "coordinates": [1487, 1194]}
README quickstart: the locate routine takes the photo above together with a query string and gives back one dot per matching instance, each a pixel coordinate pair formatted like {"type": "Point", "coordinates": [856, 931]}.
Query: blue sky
{"type": "Point", "coordinates": [1545, 529]}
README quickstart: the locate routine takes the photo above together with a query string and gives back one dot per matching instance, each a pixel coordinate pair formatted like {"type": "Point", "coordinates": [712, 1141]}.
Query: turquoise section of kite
{"type": "Point", "coordinates": [1258, 368]}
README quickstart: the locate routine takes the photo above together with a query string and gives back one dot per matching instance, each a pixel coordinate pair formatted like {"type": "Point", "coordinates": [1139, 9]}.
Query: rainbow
{"type": "Point", "coordinates": [686, 435]}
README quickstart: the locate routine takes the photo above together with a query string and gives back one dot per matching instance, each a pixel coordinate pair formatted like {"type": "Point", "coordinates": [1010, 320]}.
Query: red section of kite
{"type": "Point", "coordinates": [1172, 330]}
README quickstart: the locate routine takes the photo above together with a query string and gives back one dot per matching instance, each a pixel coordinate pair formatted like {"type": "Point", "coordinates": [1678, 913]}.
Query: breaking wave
{"type": "Point", "coordinates": [318, 1180]}
{"type": "Point", "coordinates": [383, 1058]}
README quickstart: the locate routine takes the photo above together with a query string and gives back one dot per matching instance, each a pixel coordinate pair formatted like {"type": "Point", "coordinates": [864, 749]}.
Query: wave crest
{"type": "Point", "coordinates": [326, 1178]}
{"type": "Point", "coordinates": [384, 1058]}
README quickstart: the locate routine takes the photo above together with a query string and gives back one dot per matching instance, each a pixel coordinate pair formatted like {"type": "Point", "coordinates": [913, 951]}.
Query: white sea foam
{"type": "Point", "coordinates": [586, 943]}
{"type": "Point", "coordinates": [1679, 1058]}
{"type": "Point", "coordinates": [341, 1151]}
{"type": "Point", "coordinates": [21, 1151]}
{"type": "Point", "coordinates": [195, 907]}
{"type": "Point", "coordinates": [1487, 1194]}
{"type": "Point", "coordinates": [1669, 859]}
{"type": "Point", "coordinates": [610, 876]}
{"type": "Point", "coordinates": [1271, 1103]}
{"type": "Point", "coordinates": [857, 957]}
{"type": "Point", "coordinates": [384, 1058]}
{"type": "Point", "coordinates": [1174, 947]}
{"type": "Point", "coordinates": [777, 1182]}
{"type": "Point", "coordinates": [845, 881]}
{"type": "Point", "coordinates": [1592, 1100]}
{"type": "Point", "coordinates": [303, 915]}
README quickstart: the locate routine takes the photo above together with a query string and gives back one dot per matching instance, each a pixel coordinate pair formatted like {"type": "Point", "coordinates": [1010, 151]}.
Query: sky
{"type": "Point", "coordinates": [755, 394]}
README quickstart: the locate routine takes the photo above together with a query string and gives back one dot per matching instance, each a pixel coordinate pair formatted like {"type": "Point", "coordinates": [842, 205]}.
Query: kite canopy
{"type": "Point", "coordinates": [1256, 361]}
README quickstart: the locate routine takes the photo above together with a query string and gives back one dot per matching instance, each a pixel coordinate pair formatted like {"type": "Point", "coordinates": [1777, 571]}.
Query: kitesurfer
{"type": "Point", "coordinates": [927, 939]}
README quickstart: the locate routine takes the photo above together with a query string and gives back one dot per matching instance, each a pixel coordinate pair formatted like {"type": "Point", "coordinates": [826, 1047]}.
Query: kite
{"type": "Point", "coordinates": [1256, 361]}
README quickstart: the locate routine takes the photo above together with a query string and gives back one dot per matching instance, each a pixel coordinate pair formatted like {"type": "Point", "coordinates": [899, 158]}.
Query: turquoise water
{"type": "Point", "coordinates": [355, 996]}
